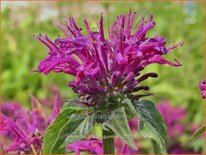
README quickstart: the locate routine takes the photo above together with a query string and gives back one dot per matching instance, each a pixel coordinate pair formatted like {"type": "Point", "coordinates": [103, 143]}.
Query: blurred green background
{"type": "Point", "coordinates": [177, 21]}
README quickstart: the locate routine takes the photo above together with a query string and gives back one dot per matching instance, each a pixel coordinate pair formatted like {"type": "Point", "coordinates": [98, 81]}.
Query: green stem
{"type": "Point", "coordinates": [108, 141]}
{"type": "Point", "coordinates": [155, 147]}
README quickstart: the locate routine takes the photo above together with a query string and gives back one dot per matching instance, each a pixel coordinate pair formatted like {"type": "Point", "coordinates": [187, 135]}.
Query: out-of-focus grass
{"type": "Point", "coordinates": [175, 20]}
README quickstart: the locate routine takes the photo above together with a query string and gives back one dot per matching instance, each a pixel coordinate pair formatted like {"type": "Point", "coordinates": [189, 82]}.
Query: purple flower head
{"type": "Point", "coordinates": [202, 86]}
{"type": "Point", "coordinates": [105, 67]}
{"type": "Point", "coordinates": [25, 129]}
{"type": "Point", "coordinates": [173, 117]}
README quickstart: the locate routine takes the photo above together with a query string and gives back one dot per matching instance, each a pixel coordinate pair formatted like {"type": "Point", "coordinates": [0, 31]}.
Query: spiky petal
{"type": "Point", "coordinates": [103, 66]}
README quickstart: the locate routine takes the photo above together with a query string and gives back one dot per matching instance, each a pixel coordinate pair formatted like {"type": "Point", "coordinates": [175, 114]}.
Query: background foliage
{"type": "Point", "coordinates": [177, 21]}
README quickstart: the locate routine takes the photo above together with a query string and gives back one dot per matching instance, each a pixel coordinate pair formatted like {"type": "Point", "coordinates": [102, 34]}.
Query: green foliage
{"type": "Point", "coordinates": [119, 124]}
{"type": "Point", "coordinates": [152, 125]}
{"type": "Point", "coordinates": [74, 123]}
{"type": "Point", "coordinates": [70, 123]}
{"type": "Point", "coordinates": [197, 133]}
{"type": "Point", "coordinates": [82, 130]}
{"type": "Point", "coordinates": [129, 109]}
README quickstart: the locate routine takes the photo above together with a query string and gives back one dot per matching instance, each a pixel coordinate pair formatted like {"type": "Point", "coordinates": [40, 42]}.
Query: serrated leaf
{"type": "Point", "coordinates": [119, 124]}
{"type": "Point", "coordinates": [68, 105]}
{"type": "Point", "coordinates": [53, 131]}
{"type": "Point", "coordinates": [85, 127]}
{"type": "Point", "coordinates": [197, 133]}
{"type": "Point", "coordinates": [64, 125]}
{"type": "Point", "coordinates": [73, 104]}
{"type": "Point", "coordinates": [129, 108]}
{"type": "Point", "coordinates": [152, 124]}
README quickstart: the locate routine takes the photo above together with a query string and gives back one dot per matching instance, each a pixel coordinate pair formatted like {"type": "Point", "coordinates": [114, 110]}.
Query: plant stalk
{"type": "Point", "coordinates": [108, 141]}
{"type": "Point", "coordinates": [155, 147]}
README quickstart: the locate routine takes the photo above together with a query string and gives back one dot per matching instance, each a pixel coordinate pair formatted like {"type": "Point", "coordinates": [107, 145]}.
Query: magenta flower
{"type": "Point", "coordinates": [105, 67]}
{"type": "Point", "coordinates": [178, 149]}
{"type": "Point", "coordinates": [173, 117]}
{"type": "Point", "coordinates": [202, 86]}
{"type": "Point", "coordinates": [93, 146]}
{"type": "Point", "coordinates": [25, 129]}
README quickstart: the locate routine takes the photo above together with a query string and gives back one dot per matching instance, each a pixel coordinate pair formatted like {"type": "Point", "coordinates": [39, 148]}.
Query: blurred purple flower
{"type": "Point", "coordinates": [93, 146]}
{"type": "Point", "coordinates": [105, 67]}
{"type": "Point", "coordinates": [202, 86]}
{"type": "Point", "coordinates": [26, 128]}
{"type": "Point", "coordinates": [178, 149]}
{"type": "Point", "coordinates": [173, 117]}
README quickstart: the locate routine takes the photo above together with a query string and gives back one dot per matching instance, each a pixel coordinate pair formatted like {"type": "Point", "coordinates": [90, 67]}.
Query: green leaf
{"type": "Point", "coordinates": [65, 124]}
{"type": "Point", "coordinates": [53, 131]}
{"type": "Point", "coordinates": [73, 104]}
{"type": "Point", "coordinates": [197, 133]}
{"type": "Point", "coordinates": [129, 108]}
{"type": "Point", "coordinates": [119, 124]}
{"type": "Point", "coordinates": [70, 104]}
{"type": "Point", "coordinates": [152, 124]}
{"type": "Point", "coordinates": [85, 127]}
